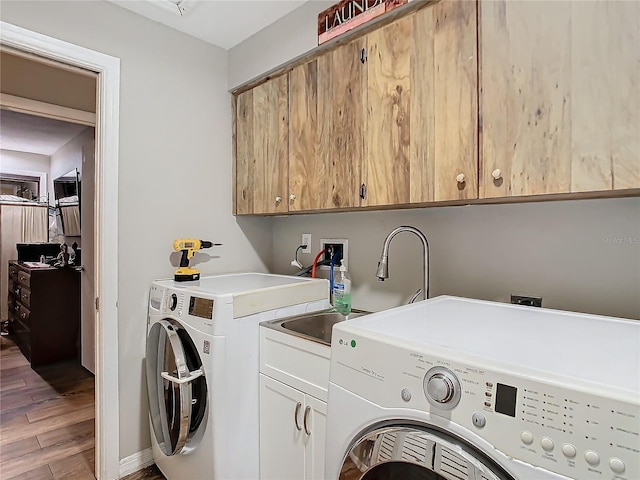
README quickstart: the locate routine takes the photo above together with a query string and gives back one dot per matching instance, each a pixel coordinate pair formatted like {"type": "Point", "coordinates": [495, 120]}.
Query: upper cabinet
{"type": "Point", "coordinates": [560, 97]}
{"type": "Point", "coordinates": [326, 130]}
{"type": "Point", "coordinates": [456, 101]}
{"type": "Point", "coordinates": [421, 135]}
{"type": "Point", "coordinates": [390, 118]}
{"type": "Point", "coordinates": [261, 148]}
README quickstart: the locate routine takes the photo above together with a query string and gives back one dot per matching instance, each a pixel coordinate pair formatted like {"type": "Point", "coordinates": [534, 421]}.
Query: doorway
{"type": "Point", "coordinates": [107, 68]}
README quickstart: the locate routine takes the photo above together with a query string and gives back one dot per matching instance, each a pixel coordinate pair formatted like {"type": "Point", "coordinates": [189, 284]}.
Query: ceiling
{"type": "Point", "coordinates": [27, 133]}
{"type": "Point", "coordinates": [223, 23]}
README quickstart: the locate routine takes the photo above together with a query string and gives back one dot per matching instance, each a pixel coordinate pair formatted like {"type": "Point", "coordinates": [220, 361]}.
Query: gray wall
{"type": "Point", "coordinates": [174, 166]}
{"type": "Point", "coordinates": [578, 255]}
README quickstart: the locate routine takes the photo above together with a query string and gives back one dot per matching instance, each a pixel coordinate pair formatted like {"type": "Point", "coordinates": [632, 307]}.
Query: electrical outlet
{"type": "Point", "coordinates": [306, 240]}
{"type": "Point", "coordinates": [331, 245]}
{"type": "Point", "coordinates": [527, 301]}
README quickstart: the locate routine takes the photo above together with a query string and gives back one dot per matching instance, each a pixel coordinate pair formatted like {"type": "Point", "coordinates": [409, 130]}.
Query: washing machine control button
{"type": "Point", "coordinates": [442, 388]}
{"type": "Point", "coordinates": [617, 465]}
{"type": "Point", "coordinates": [569, 450]}
{"type": "Point", "coordinates": [405, 394]}
{"type": "Point", "coordinates": [526, 437]}
{"type": "Point", "coordinates": [173, 302]}
{"type": "Point", "coordinates": [547, 444]}
{"type": "Point", "coordinates": [478, 420]}
{"type": "Point", "coordinates": [592, 457]}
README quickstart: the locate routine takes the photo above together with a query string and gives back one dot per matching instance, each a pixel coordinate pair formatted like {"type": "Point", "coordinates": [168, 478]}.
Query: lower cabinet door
{"type": "Point", "coordinates": [282, 436]}
{"type": "Point", "coordinates": [315, 420]}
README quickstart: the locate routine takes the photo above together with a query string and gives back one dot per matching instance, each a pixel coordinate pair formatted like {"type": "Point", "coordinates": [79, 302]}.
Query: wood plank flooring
{"type": "Point", "coordinates": [47, 420]}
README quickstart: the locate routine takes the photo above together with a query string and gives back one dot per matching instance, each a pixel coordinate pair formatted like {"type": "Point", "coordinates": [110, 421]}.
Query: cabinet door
{"type": "Point", "coordinates": [560, 102]}
{"type": "Point", "coordinates": [325, 134]}
{"type": "Point", "coordinates": [308, 173]}
{"type": "Point", "coordinates": [316, 421]}
{"type": "Point", "coordinates": [341, 95]}
{"type": "Point", "coordinates": [262, 124]}
{"type": "Point", "coordinates": [386, 168]}
{"type": "Point", "coordinates": [282, 448]}
{"type": "Point", "coordinates": [422, 107]}
{"type": "Point", "coordinates": [455, 97]}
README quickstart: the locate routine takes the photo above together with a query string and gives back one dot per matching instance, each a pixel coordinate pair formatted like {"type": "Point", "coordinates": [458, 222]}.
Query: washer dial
{"type": "Point", "coordinates": [442, 388]}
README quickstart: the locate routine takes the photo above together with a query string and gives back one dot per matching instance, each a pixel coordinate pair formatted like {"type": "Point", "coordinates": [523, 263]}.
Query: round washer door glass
{"type": "Point", "coordinates": [416, 453]}
{"type": "Point", "coordinates": [176, 385]}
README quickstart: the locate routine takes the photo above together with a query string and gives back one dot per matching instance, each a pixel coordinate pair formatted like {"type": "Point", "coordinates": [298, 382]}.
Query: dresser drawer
{"type": "Point", "coordinates": [13, 272]}
{"type": "Point", "coordinates": [24, 278]}
{"type": "Point", "coordinates": [25, 297]}
{"type": "Point", "coordinates": [24, 316]}
{"type": "Point", "coordinates": [14, 288]}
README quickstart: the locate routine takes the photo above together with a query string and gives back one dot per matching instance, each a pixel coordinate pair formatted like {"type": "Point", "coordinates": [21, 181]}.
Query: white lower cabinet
{"type": "Point", "coordinates": [292, 432]}
{"type": "Point", "coordinates": [294, 378]}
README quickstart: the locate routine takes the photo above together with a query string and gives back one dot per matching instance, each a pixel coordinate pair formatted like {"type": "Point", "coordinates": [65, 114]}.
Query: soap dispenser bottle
{"type": "Point", "coordinates": [342, 291]}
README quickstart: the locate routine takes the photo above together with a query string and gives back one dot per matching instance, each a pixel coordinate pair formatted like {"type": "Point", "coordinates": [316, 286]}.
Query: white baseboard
{"type": "Point", "coordinates": [136, 462]}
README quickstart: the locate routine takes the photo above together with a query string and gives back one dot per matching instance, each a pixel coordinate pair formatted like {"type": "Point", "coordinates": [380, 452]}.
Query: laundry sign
{"type": "Point", "coordinates": [348, 14]}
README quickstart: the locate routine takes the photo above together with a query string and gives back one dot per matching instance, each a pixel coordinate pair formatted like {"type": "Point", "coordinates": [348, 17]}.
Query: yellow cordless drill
{"type": "Point", "coordinates": [188, 247]}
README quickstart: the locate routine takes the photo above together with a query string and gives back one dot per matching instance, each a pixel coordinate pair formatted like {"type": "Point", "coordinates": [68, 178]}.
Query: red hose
{"type": "Point", "coordinates": [315, 262]}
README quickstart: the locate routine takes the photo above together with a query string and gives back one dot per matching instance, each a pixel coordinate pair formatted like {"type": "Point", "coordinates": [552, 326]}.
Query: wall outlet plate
{"type": "Point", "coordinates": [345, 251]}
{"type": "Point", "coordinates": [526, 300]}
{"type": "Point", "coordinates": [306, 240]}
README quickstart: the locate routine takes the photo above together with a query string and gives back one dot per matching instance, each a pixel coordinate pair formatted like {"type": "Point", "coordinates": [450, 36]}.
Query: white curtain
{"type": "Point", "coordinates": [70, 220]}
{"type": "Point", "coordinates": [34, 224]}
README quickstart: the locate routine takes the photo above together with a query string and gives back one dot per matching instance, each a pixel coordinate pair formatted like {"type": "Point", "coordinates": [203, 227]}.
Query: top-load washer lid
{"type": "Point", "coordinates": [597, 349]}
{"type": "Point", "coordinates": [256, 292]}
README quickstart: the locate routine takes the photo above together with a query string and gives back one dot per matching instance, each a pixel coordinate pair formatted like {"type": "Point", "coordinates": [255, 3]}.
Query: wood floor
{"type": "Point", "coordinates": [47, 420]}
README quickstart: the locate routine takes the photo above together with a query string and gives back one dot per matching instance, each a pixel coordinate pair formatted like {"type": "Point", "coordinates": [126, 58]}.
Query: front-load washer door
{"type": "Point", "coordinates": [177, 388]}
{"type": "Point", "coordinates": [416, 453]}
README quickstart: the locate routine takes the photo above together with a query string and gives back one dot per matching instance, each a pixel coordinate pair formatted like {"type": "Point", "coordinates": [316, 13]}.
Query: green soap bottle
{"type": "Point", "coordinates": [342, 291]}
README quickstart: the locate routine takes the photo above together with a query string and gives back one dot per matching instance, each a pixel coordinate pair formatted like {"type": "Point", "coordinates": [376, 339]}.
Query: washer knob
{"type": "Point", "coordinates": [442, 388]}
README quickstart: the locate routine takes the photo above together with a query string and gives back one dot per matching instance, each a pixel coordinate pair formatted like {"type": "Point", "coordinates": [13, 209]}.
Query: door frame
{"type": "Point", "coordinates": [106, 222]}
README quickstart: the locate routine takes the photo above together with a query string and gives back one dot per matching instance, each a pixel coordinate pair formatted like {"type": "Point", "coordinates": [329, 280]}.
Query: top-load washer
{"type": "Point", "coordinates": [453, 388]}
{"type": "Point", "coordinates": [202, 366]}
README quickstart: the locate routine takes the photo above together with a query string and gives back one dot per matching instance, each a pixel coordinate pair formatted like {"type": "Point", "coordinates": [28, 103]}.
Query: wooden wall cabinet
{"type": "Point", "coordinates": [560, 97]}
{"type": "Point", "coordinates": [389, 118]}
{"type": "Point", "coordinates": [261, 149]}
{"type": "Point", "coordinates": [457, 101]}
{"type": "Point", "coordinates": [327, 98]}
{"type": "Point", "coordinates": [421, 124]}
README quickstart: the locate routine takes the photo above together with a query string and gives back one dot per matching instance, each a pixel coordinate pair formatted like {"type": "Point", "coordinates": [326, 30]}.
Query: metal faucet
{"type": "Point", "coordinates": [383, 264]}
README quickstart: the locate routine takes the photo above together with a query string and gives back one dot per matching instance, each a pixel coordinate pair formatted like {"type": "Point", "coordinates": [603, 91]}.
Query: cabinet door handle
{"type": "Point", "coordinates": [278, 199]}
{"type": "Point", "coordinates": [306, 414]}
{"type": "Point", "coordinates": [496, 174]}
{"type": "Point", "coordinates": [295, 416]}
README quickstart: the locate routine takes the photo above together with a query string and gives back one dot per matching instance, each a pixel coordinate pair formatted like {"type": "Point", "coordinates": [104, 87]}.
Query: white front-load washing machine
{"type": "Point", "coordinates": [202, 367]}
{"type": "Point", "coordinates": [459, 389]}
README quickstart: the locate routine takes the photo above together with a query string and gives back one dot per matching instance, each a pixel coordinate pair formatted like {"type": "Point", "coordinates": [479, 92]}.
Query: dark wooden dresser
{"type": "Point", "coordinates": [44, 312]}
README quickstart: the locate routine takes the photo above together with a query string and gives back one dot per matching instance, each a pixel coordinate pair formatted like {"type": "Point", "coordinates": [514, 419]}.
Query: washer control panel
{"type": "Point", "coordinates": [569, 428]}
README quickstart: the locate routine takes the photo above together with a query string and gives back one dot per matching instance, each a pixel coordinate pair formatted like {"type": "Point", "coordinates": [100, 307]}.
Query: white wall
{"type": "Point", "coordinates": [29, 164]}
{"type": "Point", "coordinates": [174, 166]}
{"type": "Point", "coordinates": [277, 44]}
{"type": "Point", "coordinates": [578, 255]}
{"type": "Point", "coordinates": [69, 156]}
